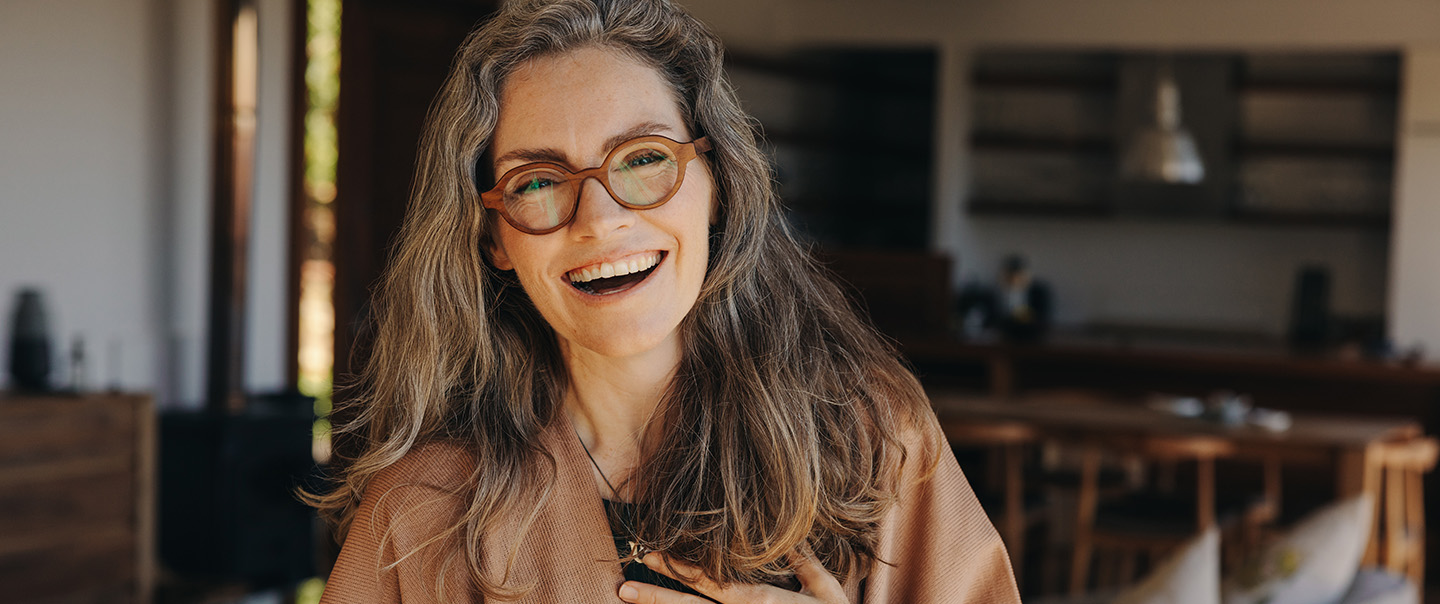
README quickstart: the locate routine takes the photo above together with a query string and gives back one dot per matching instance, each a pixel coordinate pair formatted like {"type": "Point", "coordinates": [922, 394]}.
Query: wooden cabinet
{"type": "Point", "coordinates": [77, 486]}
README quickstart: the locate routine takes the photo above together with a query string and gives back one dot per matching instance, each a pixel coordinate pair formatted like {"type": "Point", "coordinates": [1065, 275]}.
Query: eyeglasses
{"type": "Point", "coordinates": [640, 174]}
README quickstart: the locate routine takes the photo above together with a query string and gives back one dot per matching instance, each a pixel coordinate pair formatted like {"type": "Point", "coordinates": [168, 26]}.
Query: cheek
{"type": "Point", "coordinates": [519, 252]}
{"type": "Point", "coordinates": [699, 224]}
{"type": "Point", "coordinates": [714, 207]}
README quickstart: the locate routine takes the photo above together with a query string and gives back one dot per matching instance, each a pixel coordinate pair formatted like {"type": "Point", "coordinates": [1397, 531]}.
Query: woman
{"type": "Point", "coordinates": [603, 367]}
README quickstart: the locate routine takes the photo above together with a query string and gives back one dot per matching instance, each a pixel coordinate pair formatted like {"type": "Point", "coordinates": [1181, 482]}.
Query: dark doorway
{"type": "Point", "coordinates": [394, 55]}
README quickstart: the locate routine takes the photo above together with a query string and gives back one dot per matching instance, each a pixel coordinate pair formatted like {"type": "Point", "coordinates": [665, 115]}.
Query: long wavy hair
{"type": "Point", "coordinates": [781, 428]}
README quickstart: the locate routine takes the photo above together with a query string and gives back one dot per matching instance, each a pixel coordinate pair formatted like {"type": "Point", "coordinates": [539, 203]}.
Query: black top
{"type": "Point", "coordinates": [621, 516]}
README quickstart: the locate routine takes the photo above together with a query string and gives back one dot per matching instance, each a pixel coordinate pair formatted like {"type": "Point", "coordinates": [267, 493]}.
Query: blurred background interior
{"type": "Point", "coordinates": [1165, 266]}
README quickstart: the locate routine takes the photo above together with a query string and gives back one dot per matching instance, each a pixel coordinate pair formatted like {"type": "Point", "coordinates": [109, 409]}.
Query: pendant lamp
{"type": "Point", "coordinates": [1163, 151]}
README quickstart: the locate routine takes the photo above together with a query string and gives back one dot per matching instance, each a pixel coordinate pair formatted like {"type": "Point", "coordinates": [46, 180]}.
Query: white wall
{"type": "Point", "coordinates": [187, 266]}
{"type": "Point", "coordinates": [81, 176]}
{"type": "Point", "coordinates": [1195, 275]}
{"type": "Point", "coordinates": [105, 160]}
{"type": "Point", "coordinates": [268, 291]}
{"type": "Point", "coordinates": [1415, 301]}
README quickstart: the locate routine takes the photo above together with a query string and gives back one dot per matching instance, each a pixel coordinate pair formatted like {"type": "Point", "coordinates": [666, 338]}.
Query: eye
{"type": "Point", "coordinates": [644, 158]}
{"type": "Point", "coordinates": [531, 184]}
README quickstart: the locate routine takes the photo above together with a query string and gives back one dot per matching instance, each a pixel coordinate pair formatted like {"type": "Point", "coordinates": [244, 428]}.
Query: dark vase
{"type": "Point", "coordinates": [30, 344]}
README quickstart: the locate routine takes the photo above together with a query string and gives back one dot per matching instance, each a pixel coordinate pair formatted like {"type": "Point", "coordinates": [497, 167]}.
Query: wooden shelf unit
{"type": "Point", "coordinates": [1074, 105]}
{"type": "Point", "coordinates": [847, 130]}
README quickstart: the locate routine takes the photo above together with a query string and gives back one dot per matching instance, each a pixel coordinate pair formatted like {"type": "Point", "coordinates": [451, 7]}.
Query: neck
{"type": "Point", "coordinates": [611, 400]}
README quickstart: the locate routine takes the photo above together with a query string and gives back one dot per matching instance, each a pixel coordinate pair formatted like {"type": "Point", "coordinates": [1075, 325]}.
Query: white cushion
{"type": "Point", "coordinates": [1376, 586]}
{"type": "Point", "coordinates": [1314, 563]}
{"type": "Point", "coordinates": [1190, 576]}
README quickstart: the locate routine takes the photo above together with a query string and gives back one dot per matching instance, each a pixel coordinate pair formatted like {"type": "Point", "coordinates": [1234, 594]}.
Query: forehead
{"type": "Point", "coordinates": [572, 102]}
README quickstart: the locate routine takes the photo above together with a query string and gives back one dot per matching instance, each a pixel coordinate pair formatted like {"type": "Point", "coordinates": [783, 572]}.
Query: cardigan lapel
{"type": "Point", "coordinates": [569, 554]}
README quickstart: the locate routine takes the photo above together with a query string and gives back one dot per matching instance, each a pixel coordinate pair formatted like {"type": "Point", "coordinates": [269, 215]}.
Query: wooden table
{"type": "Point", "coordinates": [1346, 443]}
{"type": "Point", "coordinates": [1352, 446]}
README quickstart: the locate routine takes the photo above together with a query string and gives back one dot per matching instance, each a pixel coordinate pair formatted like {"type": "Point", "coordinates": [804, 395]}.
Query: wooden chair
{"type": "Point", "coordinates": [1142, 525]}
{"type": "Point", "coordinates": [1402, 465]}
{"type": "Point", "coordinates": [1009, 442]}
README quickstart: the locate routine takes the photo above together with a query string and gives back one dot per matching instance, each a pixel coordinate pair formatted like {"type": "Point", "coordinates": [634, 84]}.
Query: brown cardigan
{"type": "Point", "coordinates": [943, 547]}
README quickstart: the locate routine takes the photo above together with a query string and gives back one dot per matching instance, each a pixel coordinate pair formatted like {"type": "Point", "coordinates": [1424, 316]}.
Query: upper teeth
{"type": "Point", "coordinates": [633, 264]}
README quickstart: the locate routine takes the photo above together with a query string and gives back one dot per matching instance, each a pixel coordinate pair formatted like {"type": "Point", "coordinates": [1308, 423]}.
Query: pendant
{"type": "Point", "coordinates": [637, 552]}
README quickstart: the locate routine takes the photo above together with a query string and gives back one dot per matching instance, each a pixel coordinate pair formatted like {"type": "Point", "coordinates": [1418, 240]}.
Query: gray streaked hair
{"type": "Point", "coordinates": [782, 421]}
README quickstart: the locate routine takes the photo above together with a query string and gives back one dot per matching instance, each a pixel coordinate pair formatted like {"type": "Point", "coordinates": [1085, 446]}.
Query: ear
{"type": "Point", "coordinates": [498, 257]}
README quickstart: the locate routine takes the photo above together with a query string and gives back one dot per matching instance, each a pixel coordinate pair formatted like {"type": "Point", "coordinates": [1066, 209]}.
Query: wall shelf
{"type": "Point", "coordinates": [1103, 84]}
{"type": "Point", "coordinates": [1042, 143]}
{"type": "Point", "coordinates": [1040, 209]}
{"type": "Point", "coordinates": [1313, 219]}
{"type": "Point", "coordinates": [837, 141]}
{"type": "Point", "coordinates": [1303, 140]}
{"type": "Point", "coordinates": [1376, 152]}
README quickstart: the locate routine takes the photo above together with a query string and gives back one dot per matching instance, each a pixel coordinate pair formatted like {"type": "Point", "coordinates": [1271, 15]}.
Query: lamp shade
{"type": "Point", "coordinates": [1164, 152]}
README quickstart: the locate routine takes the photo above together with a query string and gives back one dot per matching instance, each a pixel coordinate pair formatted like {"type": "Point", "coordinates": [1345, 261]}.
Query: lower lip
{"type": "Point", "coordinates": [622, 293]}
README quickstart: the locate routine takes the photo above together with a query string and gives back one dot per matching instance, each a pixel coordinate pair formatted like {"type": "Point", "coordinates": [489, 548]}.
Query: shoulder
{"type": "Point", "coordinates": [921, 441]}
{"type": "Point", "coordinates": [938, 541]}
{"type": "Point", "coordinates": [409, 506]}
{"type": "Point", "coordinates": [440, 465]}
{"type": "Point", "coordinates": [418, 496]}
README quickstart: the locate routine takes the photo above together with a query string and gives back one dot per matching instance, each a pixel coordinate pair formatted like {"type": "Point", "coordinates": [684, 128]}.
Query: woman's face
{"type": "Point", "coordinates": [572, 109]}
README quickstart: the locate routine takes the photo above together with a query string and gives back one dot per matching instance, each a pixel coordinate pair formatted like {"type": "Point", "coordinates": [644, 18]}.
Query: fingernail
{"type": "Point", "coordinates": [628, 593]}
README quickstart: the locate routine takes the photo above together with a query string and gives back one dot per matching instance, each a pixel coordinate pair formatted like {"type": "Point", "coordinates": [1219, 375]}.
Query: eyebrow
{"type": "Point", "coordinates": [552, 155]}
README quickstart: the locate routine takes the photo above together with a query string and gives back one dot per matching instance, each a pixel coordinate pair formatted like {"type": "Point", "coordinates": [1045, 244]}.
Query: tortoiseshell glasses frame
{"type": "Point", "coordinates": [639, 174]}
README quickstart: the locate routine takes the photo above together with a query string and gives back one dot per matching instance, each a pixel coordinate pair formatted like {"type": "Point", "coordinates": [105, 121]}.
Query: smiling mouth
{"type": "Point", "coordinates": [622, 276]}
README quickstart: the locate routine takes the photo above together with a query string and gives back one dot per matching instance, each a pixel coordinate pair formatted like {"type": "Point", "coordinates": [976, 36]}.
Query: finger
{"type": "Point", "coordinates": [815, 579]}
{"type": "Point", "coordinates": [736, 593]}
{"type": "Point", "coordinates": [636, 592]}
{"type": "Point", "coordinates": [680, 571]}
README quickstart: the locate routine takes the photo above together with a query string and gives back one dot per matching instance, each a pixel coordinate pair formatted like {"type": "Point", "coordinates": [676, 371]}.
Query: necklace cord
{"type": "Point", "coordinates": [637, 550]}
{"type": "Point", "coordinates": [613, 490]}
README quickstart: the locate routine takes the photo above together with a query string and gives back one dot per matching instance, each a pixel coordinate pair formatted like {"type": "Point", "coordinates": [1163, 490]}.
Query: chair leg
{"type": "Point", "coordinates": [1108, 564]}
{"type": "Point", "coordinates": [1370, 483]}
{"type": "Point", "coordinates": [1395, 537]}
{"type": "Point", "coordinates": [1085, 520]}
{"type": "Point", "coordinates": [1204, 493]}
{"type": "Point", "coordinates": [1015, 507]}
{"type": "Point", "coordinates": [1273, 489]}
{"type": "Point", "coordinates": [1125, 571]}
{"type": "Point", "coordinates": [1415, 509]}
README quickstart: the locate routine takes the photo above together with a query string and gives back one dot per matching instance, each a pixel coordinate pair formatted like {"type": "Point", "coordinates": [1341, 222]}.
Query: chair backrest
{"type": "Point", "coordinates": [1203, 450]}
{"type": "Point", "coordinates": [970, 432]}
{"type": "Point", "coordinates": [1415, 455]}
{"type": "Point", "coordinates": [1402, 466]}
{"type": "Point", "coordinates": [1187, 447]}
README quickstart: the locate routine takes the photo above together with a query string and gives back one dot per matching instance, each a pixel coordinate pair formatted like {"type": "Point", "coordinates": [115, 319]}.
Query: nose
{"type": "Point", "coordinates": [597, 215]}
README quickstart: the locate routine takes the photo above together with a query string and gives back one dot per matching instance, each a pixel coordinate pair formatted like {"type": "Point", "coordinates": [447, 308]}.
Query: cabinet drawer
{"type": "Point", "coordinates": [45, 430]}
{"type": "Point", "coordinates": [47, 512]}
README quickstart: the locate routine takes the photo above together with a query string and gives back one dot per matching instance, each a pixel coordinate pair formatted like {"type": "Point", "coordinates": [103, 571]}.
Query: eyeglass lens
{"type": "Point", "coordinates": [640, 173]}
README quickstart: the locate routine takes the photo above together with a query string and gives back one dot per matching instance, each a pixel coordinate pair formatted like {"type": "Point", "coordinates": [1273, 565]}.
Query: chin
{"type": "Point", "coordinates": [624, 342]}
